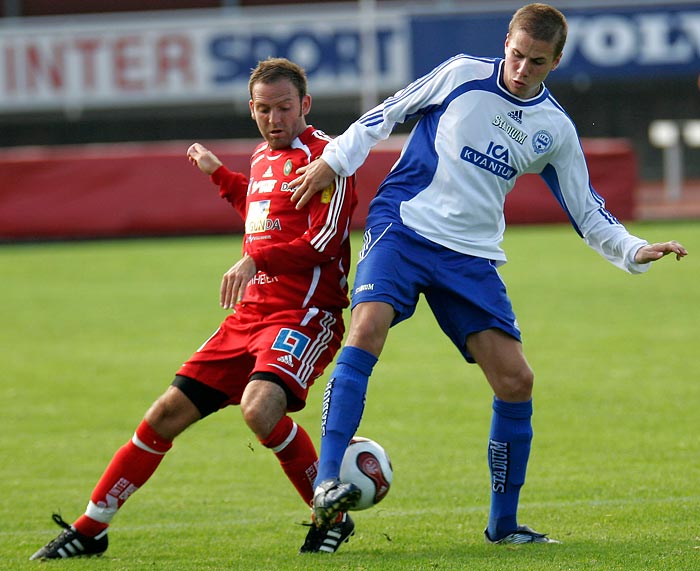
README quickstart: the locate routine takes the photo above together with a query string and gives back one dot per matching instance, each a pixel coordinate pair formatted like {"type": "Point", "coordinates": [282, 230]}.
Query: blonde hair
{"type": "Point", "coordinates": [541, 22]}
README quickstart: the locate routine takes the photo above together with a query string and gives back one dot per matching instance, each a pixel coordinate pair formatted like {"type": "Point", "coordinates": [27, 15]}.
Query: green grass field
{"type": "Point", "coordinates": [92, 332]}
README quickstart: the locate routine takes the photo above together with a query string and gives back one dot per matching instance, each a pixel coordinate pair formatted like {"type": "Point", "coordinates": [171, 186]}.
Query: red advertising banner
{"type": "Point", "coordinates": [121, 190]}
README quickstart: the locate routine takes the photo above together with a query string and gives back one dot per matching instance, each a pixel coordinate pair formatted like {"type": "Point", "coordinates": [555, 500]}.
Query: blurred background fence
{"type": "Point", "coordinates": [77, 76]}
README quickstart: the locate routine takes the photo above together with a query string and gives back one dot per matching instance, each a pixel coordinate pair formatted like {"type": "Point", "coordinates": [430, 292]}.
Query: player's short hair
{"type": "Point", "coordinates": [541, 22]}
{"type": "Point", "coordinates": [276, 68]}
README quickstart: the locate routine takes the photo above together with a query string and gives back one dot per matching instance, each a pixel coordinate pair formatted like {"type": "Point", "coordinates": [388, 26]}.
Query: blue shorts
{"type": "Point", "coordinates": [466, 294]}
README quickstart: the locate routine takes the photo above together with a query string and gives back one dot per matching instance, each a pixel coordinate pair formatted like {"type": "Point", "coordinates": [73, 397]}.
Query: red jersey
{"type": "Point", "coordinates": [302, 256]}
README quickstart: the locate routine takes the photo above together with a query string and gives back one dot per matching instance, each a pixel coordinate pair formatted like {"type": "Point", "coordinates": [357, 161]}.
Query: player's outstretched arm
{"type": "Point", "coordinates": [202, 157]}
{"type": "Point", "coordinates": [653, 252]}
{"type": "Point", "coordinates": [312, 178]}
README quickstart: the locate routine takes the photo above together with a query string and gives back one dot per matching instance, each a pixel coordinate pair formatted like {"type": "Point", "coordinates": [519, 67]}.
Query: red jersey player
{"type": "Point", "coordinates": [287, 294]}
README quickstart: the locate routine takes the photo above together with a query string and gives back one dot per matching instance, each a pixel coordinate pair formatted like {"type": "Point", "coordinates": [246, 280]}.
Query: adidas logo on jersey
{"type": "Point", "coordinates": [268, 172]}
{"type": "Point", "coordinates": [517, 116]}
{"type": "Point", "coordinates": [286, 359]}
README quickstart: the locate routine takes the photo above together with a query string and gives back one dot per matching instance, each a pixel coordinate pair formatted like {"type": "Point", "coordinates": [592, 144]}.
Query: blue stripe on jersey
{"type": "Point", "coordinates": [605, 214]}
{"type": "Point", "coordinates": [375, 117]}
{"type": "Point", "coordinates": [599, 199]}
{"type": "Point", "coordinates": [549, 175]}
{"type": "Point", "coordinates": [416, 168]}
{"type": "Point", "coordinates": [377, 121]}
{"type": "Point", "coordinates": [421, 81]}
{"type": "Point", "coordinates": [370, 119]}
{"type": "Point", "coordinates": [557, 105]}
{"type": "Point", "coordinates": [411, 174]}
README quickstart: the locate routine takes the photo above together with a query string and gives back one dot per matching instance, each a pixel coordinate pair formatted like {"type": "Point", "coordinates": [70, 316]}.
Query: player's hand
{"type": "Point", "coordinates": [202, 157]}
{"type": "Point", "coordinates": [653, 252]}
{"type": "Point", "coordinates": [312, 178]}
{"type": "Point", "coordinates": [235, 280]}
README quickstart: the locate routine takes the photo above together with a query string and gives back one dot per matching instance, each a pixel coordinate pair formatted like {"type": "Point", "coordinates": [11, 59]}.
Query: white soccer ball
{"type": "Point", "coordinates": [367, 465]}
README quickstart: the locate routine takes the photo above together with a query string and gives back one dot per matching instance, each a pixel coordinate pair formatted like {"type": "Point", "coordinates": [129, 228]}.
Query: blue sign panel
{"type": "Point", "coordinates": [602, 44]}
{"type": "Point", "coordinates": [335, 52]}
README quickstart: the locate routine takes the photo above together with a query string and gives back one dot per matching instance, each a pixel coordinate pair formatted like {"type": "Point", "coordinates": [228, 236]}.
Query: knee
{"type": "Point", "coordinates": [515, 386]}
{"type": "Point", "coordinates": [369, 327]}
{"type": "Point", "coordinates": [254, 418]}
{"type": "Point", "coordinates": [262, 406]}
{"type": "Point", "coordinates": [171, 414]}
{"type": "Point", "coordinates": [259, 420]}
{"type": "Point", "coordinates": [164, 410]}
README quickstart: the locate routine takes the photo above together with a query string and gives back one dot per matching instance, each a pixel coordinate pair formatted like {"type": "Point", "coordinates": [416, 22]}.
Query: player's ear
{"type": "Point", "coordinates": [252, 108]}
{"type": "Point", "coordinates": [305, 104]}
{"type": "Point", "coordinates": [557, 60]}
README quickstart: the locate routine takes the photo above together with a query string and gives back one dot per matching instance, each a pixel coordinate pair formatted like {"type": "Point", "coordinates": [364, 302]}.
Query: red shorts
{"type": "Point", "coordinates": [296, 345]}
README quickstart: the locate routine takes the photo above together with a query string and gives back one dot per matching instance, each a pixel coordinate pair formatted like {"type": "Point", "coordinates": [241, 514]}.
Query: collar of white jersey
{"type": "Point", "coordinates": [504, 90]}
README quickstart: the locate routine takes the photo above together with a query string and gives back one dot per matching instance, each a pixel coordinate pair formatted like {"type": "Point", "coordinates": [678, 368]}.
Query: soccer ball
{"type": "Point", "coordinates": [367, 465]}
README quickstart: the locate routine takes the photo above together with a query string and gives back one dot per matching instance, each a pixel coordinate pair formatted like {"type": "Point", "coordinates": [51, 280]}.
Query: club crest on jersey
{"type": "Point", "coordinates": [542, 141]}
{"type": "Point", "coordinates": [288, 167]}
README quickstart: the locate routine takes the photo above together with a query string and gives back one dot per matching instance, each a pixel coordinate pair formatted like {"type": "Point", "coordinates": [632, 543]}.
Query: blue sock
{"type": "Point", "coordinates": [508, 453]}
{"type": "Point", "coordinates": [343, 404]}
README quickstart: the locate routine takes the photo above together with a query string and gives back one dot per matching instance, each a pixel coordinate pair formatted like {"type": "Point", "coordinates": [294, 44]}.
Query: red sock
{"type": "Point", "coordinates": [297, 455]}
{"type": "Point", "coordinates": [130, 468]}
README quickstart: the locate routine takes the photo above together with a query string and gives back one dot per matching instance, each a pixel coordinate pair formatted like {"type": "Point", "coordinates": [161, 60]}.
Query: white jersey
{"type": "Point", "coordinates": [472, 141]}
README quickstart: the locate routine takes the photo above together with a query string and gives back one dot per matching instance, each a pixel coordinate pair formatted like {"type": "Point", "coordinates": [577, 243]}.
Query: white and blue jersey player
{"type": "Point", "coordinates": [436, 226]}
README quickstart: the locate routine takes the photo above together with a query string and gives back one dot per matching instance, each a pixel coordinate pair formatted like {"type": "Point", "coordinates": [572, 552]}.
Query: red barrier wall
{"type": "Point", "coordinates": [152, 190]}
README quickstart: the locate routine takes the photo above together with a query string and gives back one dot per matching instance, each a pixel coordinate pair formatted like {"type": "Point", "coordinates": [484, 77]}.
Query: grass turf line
{"type": "Point", "coordinates": [93, 331]}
